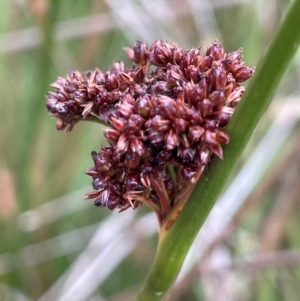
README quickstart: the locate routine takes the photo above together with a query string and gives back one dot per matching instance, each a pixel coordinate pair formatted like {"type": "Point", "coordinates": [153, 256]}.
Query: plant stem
{"type": "Point", "coordinates": [176, 242]}
{"type": "Point", "coordinates": [171, 172]}
{"type": "Point", "coordinates": [180, 202]}
{"type": "Point", "coordinates": [160, 189]}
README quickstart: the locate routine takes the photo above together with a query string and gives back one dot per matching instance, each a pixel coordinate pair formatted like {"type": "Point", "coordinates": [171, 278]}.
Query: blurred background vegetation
{"type": "Point", "coordinates": [56, 246]}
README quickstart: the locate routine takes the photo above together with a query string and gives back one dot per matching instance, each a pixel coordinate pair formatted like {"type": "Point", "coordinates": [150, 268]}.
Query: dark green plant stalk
{"type": "Point", "coordinates": [175, 243]}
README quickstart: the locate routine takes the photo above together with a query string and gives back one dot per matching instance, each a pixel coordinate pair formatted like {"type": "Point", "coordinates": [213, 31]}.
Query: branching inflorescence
{"type": "Point", "coordinates": [164, 123]}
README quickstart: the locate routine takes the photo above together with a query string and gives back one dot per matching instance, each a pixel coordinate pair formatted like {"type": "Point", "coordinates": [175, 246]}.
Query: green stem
{"type": "Point", "coordinates": [177, 241]}
{"type": "Point", "coordinates": [171, 172]}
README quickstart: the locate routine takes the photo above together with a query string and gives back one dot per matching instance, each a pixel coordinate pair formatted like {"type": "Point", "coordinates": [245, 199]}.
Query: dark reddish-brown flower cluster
{"type": "Point", "coordinates": [165, 123]}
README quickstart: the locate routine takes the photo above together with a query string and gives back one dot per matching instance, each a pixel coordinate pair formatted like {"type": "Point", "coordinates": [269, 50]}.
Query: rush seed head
{"type": "Point", "coordinates": [165, 124]}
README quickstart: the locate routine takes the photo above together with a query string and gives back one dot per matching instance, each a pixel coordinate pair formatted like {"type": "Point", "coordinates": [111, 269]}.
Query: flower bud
{"type": "Point", "coordinates": [160, 54]}
{"type": "Point", "coordinates": [192, 115]}
{"type": "Point", "coordinates": [235, 96]}
{"type": "Point", "coordinates": [176, 55]}
{"type": "Point", "coordinates": [185, 61]}
{"type": "Point", "coordinates": [116, 68]}
{"type": "Point", "coordinates": [205, 107]}
{"type": "Point", "coordinates": [75, 76]}
{"type": "Point", "coordinates": [92, 172]}
{"type": "Point", "coordinates": [130, 53]}
{"type": "Point", "coordinates": [139, 74]}
{"type": "Point", "coordinates": [132, 160]}
{"type": "Point", "coordinates": [113, 201]}
{"type": "Point", "coordinates": [191, 73]}
{"type": "Point", "coordinates": [235, 56]}
{"type": "Point", "coordinates": [122, 144]}
{"type": "Point", "coordinates": [209, 138]}
{"type": "Point", "coordinates": [62, 96]}
{"type": "Point", "coordinates": [126, 78]}
{"type": "Point", "coordinates": [132, 182]}
{"type": "Point", "coordinates": [217, 98]}
{"type": "Point", "coordinates": [180, 125]}
{"type": "Point", "coordinates": [167, 105]}
{"type": "Point", "coordinates": [143, 106]}
{"type": "Point", "coordinates": [155, 137]}
{"type": "Point", "coordinates": [160, 124]}
{"type": "Point", "coordinates": [204, 87]}
{"type": "Point", "coordinates": [101, 200]}
{"type": "Point", "coordinates": [164, 156]}
{"type": "Point", "coordinates": [194, 93]}
{"type": "Point", "coordinates": [204, 155]}
{"type": "Point", "coordinates": [133, 124]}
{"type": "Point", "coordinates": [60, 125]}
{"type": "Point", "coordinates": [222, 118]}
{"type": "Point", "coordinates": [228, 89]}
{"type": "Point", "coordinates": [217, 77]}
{"type": "Point", "coordinates": [217, 150]}
{"type": "Point", "coordinates": [205, 63]}
{"type": "Point", "coordinates": [160, 87]}
{"type": "Point", "coordinates": [210, 124]}
{"type": "Point", "coordinates": [140, 53]}
{"type": "Point", "coordinates": [228, 65]}
{"type": "Point", "coordinates": [118, 123]}
{"type": "Point", "coordinates": [51, 102]}
{"type": "Point", "coordinates": [137, 146]}
{"type": "Point", "coordinates": [115, 185]}
{"type": "Point", "coordinates": [172, 78]}
{"type": "Point", "coordinates": [216, 51]}
{"type": "Point", "coordinates": [111, 135]}
{"type": "Point", "coordinates": [222, 137]}
{"type": "Point", "coordinates": [187, 154]}
{"type": "Point", "coordinates": [102, 161]}
{"type": "Point", "coordinates": [111, 82]}
{"type": "Point", "coordinates": [106, 113]}
{"type": "Point", "coordinates": [195, 133]}
{"type": "Point", "coordinates": [188, 172]}
{"type": "Point", "coordinates": [92, 194]}
{"type": "Point", "coordinates": [194, 56]}
{"type": "Point", "coordinates": [59, 84]}
{"type": "Point", "coordinates": [100, 183]}
{"type": "Point", "coordinates": [171, 140]}
{"type": "Point", "coordinates": [243, 73]}
{"type": "Point", "coordinates": [87, 109]}
{"type": "Point", "coordinates": [170, 188]}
